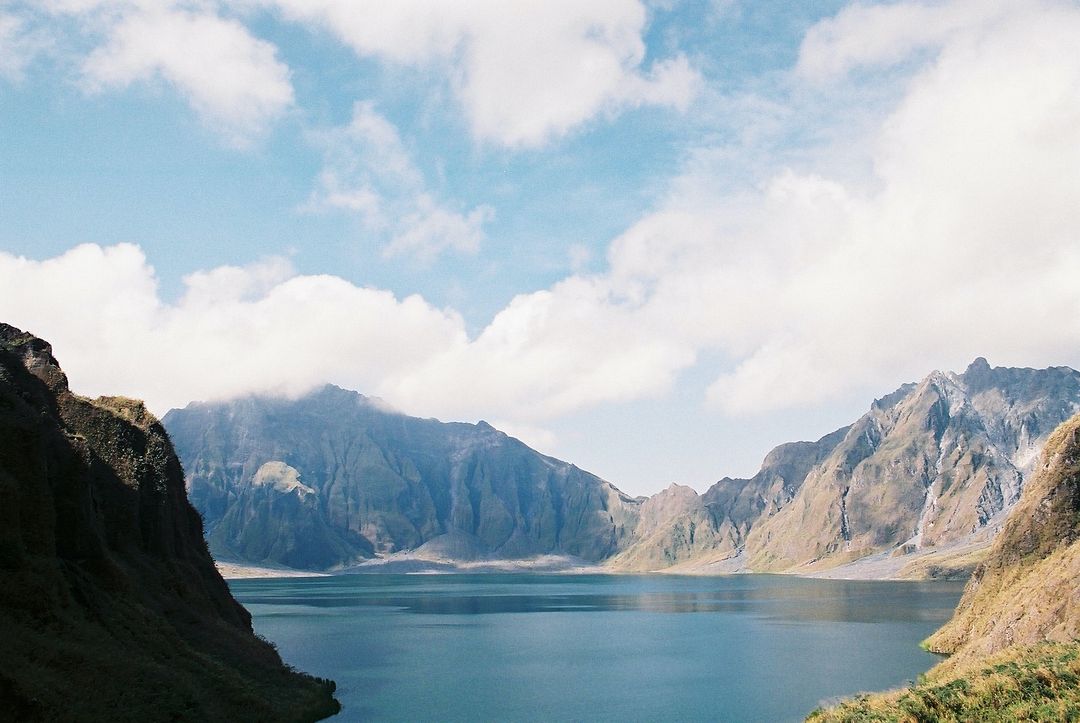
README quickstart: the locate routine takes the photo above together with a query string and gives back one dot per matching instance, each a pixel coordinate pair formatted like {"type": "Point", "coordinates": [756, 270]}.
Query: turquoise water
{"type": "Point", "coordinates": [499, 647]}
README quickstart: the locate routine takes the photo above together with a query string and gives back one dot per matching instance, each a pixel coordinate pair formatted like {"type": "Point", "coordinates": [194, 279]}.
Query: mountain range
{"type": "Point", "coordinates": [917, 485]}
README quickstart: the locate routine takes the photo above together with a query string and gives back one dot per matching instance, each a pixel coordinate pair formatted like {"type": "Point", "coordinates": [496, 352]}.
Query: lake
{"type": "Point", "coordinates": [543, 647]}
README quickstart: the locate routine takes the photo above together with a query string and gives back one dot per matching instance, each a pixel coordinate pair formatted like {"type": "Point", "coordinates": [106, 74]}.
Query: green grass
{"type": "Point", "coordinates": [1036, 683]}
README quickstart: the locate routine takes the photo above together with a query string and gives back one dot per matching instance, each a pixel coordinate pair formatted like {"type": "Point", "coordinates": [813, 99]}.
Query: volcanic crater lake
{"type": "Point", "coordinates": [544, 647]}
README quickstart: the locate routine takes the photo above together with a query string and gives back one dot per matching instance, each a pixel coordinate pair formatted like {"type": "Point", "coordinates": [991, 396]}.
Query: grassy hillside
{"type": "Point", "coordinates": [1024, 683]}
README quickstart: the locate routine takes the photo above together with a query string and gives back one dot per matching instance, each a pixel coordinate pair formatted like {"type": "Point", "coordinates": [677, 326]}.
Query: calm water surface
{"type": "Point", "coordinates": [597, 647]}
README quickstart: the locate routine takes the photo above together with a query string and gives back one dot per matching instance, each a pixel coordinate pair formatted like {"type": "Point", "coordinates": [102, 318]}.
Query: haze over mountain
{"type": "Point", "coordinates": [110, 605]}
{"type": "Point", "coordinates": [334, 478]}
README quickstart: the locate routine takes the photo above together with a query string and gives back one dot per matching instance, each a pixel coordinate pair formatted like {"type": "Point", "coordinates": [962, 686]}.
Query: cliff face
{"type": "Point", "coordinates": [333, 478]}
{"type": "Point", "coordinates": [929, 466]}
{"type": "Point", "coordinates": [1028, 588]}
{"type": "Point", "coordinates": [110, 603]}
{"type": "Point", "coordinates": [934, 465]}
{"type": "Point", "coordinates": [1013, 639]}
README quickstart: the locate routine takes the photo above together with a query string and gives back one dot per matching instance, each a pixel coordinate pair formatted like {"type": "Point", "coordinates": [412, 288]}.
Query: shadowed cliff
{"type": "Point", "coordinates": [334, 477]}
{"type": "Point", "coordinates": [110, 605]}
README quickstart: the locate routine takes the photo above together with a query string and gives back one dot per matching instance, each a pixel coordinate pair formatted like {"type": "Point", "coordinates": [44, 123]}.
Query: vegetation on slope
{"type": "Point", "coordinates": [1013, 640]}
{"type": "Point", "coordinates": [1025, 683]}
{"type": "Point", "coordinates": [110, 605]}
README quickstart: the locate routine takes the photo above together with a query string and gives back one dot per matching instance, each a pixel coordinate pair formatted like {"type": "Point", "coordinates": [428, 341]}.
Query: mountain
{"type": "Point", "coordinates": [1028, 588]}
{"type": "Point", "coordinates": [680, 528]}
{"type": "Point", "coordinates": [923, 479]}
{"type": "Point", "coordinates": [928, 466]}
{"type": "Point", "coordinates": [333, 478]}
{"type": "Point", "coordinates": [931, 468]}
{"type": "Point", "coordinates": [1013, 640]}
{"type": "Point", "coordinates": [110, 605]}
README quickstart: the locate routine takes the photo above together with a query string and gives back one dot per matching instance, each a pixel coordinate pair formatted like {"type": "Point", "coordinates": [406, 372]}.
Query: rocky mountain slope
{"type": "Point", "coordinates": [930, 465]}
{"type": "Point", "coordinates": [934, 465]}
{"type": "Point", "coordinates": [110, 605]}
{"type": "Point", "coordinates": [681, 528]}
{"type": "Point", "coordinates": [333, 478]}
{"type": "Point", "coordinates": [1013, 641]}
{"type": "Point", "coordinates": [1028, 588]}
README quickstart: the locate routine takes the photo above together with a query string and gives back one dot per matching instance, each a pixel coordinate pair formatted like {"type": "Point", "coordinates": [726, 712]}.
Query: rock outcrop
{"type": "Point", "coordinates": [1014, 640]}
{"type": "Point", "coordinates": [110, 605]}
{"type": "Point", "coordinates": [352, 479]}
{"type": "Point", "coordinates": [930, 465]}
{"type": "Point", "coordinates": [1028, 589]}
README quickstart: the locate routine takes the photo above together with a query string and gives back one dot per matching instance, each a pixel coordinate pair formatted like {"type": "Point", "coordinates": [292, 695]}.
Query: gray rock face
{"type": "Point", "coordinates": [679, 526]}
{"type": "Point", "coordinates": [931, 464]}
{"type": "Point", "coordinates": [334, 477]}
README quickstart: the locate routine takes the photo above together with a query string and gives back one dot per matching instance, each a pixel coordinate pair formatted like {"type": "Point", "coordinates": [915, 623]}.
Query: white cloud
{"type": "Point", "coordinates": [235, 330]}
{"type": "Point", "coordinates": [961, 241]}
{"type": "Point", "coordinates": [880, 35]}
{"type": "Point", "coordinates": [368, 171]}
{"type": "Point", "coordinates": [524, 72]}
{"type": "Point", "coordinates": [233, 80]}
{"type": "Point", "coordinates": [18, 46]}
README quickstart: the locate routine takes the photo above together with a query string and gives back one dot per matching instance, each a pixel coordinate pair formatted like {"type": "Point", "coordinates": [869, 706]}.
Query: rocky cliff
{"type": "Point", "coordinates": [681, 529]}
{"type": "Point", "coordinates": [1028, 588]}
{"type": "Point", "coordinates": [1013, 640]}
{"type": "Point", "coordinates": [928, 466]}
{"type": "Point", "coordinates": [334, 478]}
{"type": "Point", "coordinates": [110, 605]}
{"type": "Point", "coordinates": [924, 478]}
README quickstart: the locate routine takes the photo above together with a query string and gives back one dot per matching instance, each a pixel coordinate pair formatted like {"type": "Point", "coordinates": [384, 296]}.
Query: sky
{"type": "Point", "coordinates": [652, 238]}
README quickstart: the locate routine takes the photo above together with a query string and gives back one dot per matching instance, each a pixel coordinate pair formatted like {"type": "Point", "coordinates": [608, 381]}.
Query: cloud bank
{"type": "Point", "coordinates": [960, 239]}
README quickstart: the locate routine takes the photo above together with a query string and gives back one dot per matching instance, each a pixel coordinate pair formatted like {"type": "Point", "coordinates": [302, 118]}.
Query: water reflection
{"type": "Point", "coordinates": [772, 597]}
{"type": "Point", "coordinates": [535, 647]}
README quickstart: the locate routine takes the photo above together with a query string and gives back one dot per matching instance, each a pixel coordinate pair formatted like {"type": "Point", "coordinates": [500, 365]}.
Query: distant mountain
{"type": "Point", "coordinates": [1013, 640]}
{"type": "Point", "coordinates": [333, 478]}
{"type": "Point", "coordinates": [931, 466]}
{"type": "Point", "coordinates": [680, 527]}
{"type": "Point", "coordinates": [110, 605]}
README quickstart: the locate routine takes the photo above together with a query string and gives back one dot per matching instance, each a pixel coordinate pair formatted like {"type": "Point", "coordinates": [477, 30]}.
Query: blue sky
{"type": "Point", "coordinates": [655, 239]}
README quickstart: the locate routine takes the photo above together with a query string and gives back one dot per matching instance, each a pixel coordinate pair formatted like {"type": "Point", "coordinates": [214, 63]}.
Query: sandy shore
{"type": "Point", "coordinates": [234, 571]}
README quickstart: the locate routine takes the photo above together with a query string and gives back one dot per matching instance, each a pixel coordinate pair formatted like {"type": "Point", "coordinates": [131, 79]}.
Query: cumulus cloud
{"type": "Point", "coordinates": [524, 72]}
{"type": "Point", "coordinates": [367, 170]}
{"type": "Point", "coordinates": [233, 80]}
{"type": "Point", "coordinates": [961, 240]}
{"type": "Point", "coordinates": [235, 330]}
{"type": "Point", "coordinates": [863, 35]}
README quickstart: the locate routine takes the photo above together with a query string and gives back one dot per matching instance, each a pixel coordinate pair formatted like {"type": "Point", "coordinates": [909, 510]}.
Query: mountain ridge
{"type": "Point", "coordinates": [931, 467]}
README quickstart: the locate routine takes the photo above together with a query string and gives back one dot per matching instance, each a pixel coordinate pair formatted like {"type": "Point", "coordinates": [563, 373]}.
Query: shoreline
{"type": "Point", "coordinates": [955, 564]}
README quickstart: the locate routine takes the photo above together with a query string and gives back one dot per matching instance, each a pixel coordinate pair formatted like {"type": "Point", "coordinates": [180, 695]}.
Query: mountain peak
{"type": "Point", "coordinates": [35, 354]}
{"type": "Point", "coordinates": [977, 375]}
